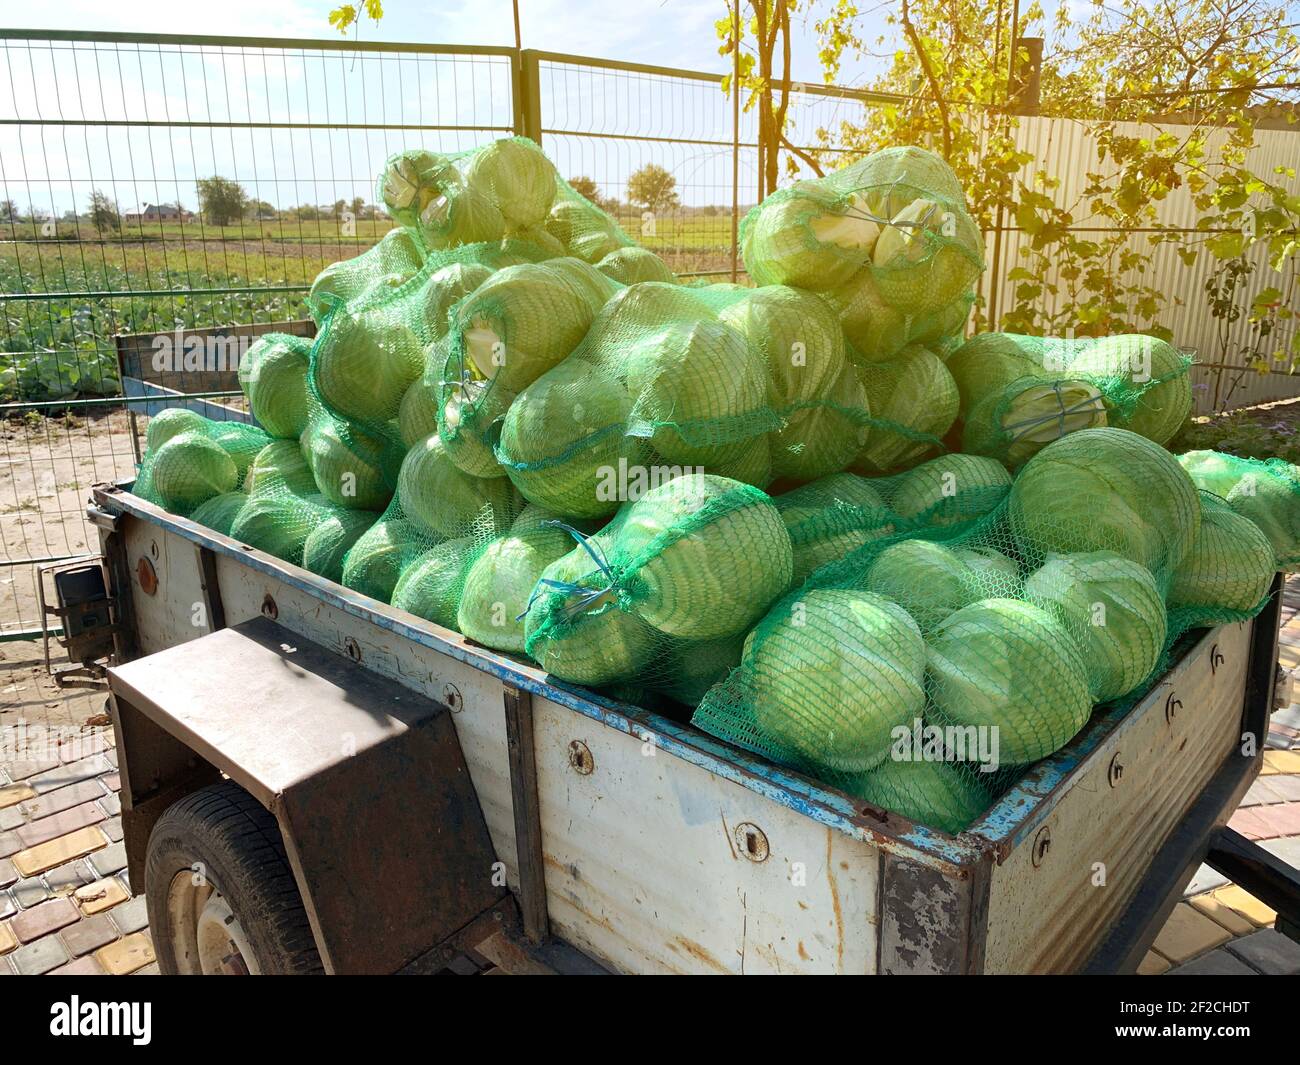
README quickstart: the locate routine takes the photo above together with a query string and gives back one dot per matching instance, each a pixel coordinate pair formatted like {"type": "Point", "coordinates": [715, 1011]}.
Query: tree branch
{"type": "Point", "coordinates": [924, 59]}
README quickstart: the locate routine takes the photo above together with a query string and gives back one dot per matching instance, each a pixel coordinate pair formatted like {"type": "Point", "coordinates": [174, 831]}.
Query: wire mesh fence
{"type": "Point", "coordinates": [105, 139]}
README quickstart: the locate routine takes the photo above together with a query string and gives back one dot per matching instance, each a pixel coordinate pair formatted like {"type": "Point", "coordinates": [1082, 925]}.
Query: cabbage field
{"type": "Point", "coordinates": [812, 515]}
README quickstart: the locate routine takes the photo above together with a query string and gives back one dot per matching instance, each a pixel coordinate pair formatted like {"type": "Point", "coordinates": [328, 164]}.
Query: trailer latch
{"type": "Point", "coordinates": [85, 616]}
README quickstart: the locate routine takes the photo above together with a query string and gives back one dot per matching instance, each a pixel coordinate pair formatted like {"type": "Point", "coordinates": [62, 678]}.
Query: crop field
{"type": "Point", "coordinates": [156, 277]}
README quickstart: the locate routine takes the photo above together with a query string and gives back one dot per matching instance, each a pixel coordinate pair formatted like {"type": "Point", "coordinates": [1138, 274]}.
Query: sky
{"type": "Point", "coordinates": [668, 32]}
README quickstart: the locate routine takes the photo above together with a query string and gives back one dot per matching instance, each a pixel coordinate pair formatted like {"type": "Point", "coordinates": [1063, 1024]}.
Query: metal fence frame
{"type": "Point", "coordinates": [530, 112]}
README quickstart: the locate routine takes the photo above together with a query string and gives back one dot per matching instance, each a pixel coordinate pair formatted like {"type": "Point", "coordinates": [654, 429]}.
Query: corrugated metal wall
{"type": "Point", "coordinates": [1066, 149]}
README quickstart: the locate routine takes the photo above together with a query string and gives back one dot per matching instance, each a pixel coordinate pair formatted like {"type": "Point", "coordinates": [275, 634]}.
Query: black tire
{"type": "Point", "coordinates": [237, 843]}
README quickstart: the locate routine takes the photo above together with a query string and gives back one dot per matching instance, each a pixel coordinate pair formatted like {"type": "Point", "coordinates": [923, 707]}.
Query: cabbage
{"type": "Point", "coordinates": [807, 237]}
{"type": "Point", "coordinates": [522, 322]}
{"type": "Point", "coordinates": [691, 668]}
{"type": "Point", "coordinates": [446, 287]}
{"type": "Point", "coordinates": [273, 375]}
{"type": "Point", "coordinates": [1004, 664]}
{"type": "Point", "coordinates": [280, 467]}
{"type": "Point", "coordinates": [630, 265]}
{"type": "Point", "coordinates": [751, 465]}
{"type": "Point", "coordinates": [950, 489]}
{"type": "Point", "coordinates": [1213, 471]}
{"type": "Point", "coordinates": [1018, 422]}
{"type": "Point", "coordinates": [929, 580]}
{"type": "Point", "coordinates": [430, 586]}
{"type": "Point", "coordinates": [446, 501]}
{"type": "Point", "coordinates": [363, 365]}
{"type": "Point", "coordinates": [190, 469]}
{"type": "Point", "coordinates": [1114, 611]}
{"type": "Point", "coordinates": [562, 436]}
{"type": "Point", "coordinates": [584, 229]}
{"type": "Point", "coordinates": [833, 673]}
{"type": "Point", "coordinates": [1147, 365]}
{"type": "Point", "coordinates": [711, 555]}
{"type": "Point", "coordinates": [519, 178]}
{"type": "Point", "coordinates": [1105, 490]}
{"type": "Point", "coordinates": [993, 574]}
{"type": "Point", "coordinates": [219, 512]}
{"type": "Point", "coordinates": [914, 392]}
{"type": "Point", "coordinates": [412, 179]}
{"type": "Point", "coordinates": [380, 554]}
{"type": "Point", "coordinates": [945, 326]}
{"type": "Point", "coordinates": [800, 340]}
{"type": "Point", "coordinates": [331, 540]}
{"type": "Point", "coordinates": [461, 215]}
{"type": "Point", "coordinates": [241, 442]}
{"type": "Point", "coordinates": [695, 380]}
{"type": "Point", "coordinates": [467, 417]}
{"type": "Point", "coordinates": [547, 246]}
{"type": "Point", "coordinates": [1230, 566]}
{"type": "Point", "coordinates": [345, 465]}
{"type": "Point", "coordinates": [894, 177]}
{"type": "Point", "coordinates": [278, 525]}
{"type": "Point", "coordinates": [876, 330]}
{"type": "Point", "coordinates": [392, 262]}
{"type": "Point", "coordinates": [170, 422]}
{"type": "Point", "coordinates": [417, 415]}
{"type": "Point", "coordinates": [936, 794]}
{"type": "Point", "coordinates": [586, 642]}
{"type": "Point", "coordinates": [500, 582]}
{"type": "Point", "coordinates": [823, 439]}
{"type": "Point", "coordinates": [829, 518]}
{"type": "Point", "coordinates": [1266, 493]}
{"type": "Point", "coordinates": [927, 257]}
{"type": "Point", "coordinates": [988, 362]}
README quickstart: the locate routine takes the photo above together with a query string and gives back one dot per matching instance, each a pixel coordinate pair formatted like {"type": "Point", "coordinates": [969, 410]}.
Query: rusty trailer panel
{"type": "Point", "coordinates": [319, 742]}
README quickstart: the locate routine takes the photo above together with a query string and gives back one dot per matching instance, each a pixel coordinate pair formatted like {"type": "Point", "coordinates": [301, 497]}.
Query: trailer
{"type": "Point", "coordinates": [313, 781]}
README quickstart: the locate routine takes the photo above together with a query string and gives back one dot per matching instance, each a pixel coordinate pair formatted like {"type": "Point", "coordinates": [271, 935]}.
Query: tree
{"type": "Point", "coordinates": [8, 211]}
{"type": "Point", "coordinates": [103, 213]}
{"type": "Point", "coordinates": [339, 207]}
{"type": "Point", "coordinates": [652, 188]}
{"type": "Point", "coordinates": [586, 187]}
{"type": "Point", "coordinates": [308, 212]}
{"type": "Point", "coordinates": [221, 200]}
{"type": "Point", "coordinates": [358, 206]}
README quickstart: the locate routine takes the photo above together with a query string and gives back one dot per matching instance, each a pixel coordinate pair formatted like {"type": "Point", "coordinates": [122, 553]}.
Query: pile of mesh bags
{"type": "Point", "coordinates": [811, 511]}
{"type": "Point", "coordinates": [1000, 632]}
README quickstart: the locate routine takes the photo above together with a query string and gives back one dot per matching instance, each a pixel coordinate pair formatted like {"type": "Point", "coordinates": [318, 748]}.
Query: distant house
{"type": "Point", "coordinates": [158, 212]}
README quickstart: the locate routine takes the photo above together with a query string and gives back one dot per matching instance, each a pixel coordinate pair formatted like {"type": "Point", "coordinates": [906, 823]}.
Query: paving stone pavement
{"type": "Point", "coordinates": [66, 908]}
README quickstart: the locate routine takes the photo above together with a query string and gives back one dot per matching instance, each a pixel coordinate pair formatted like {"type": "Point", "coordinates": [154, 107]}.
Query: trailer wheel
{"type": "Point", "coordinates": [221, 897]}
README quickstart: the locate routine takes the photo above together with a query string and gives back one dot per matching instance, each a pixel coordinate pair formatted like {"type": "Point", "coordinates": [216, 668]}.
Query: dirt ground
{"type": "Point", "coordinates": [47, 466]}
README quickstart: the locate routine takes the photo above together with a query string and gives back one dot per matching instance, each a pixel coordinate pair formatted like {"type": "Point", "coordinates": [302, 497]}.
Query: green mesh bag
{"type": "Point", "coordinates": [351, 468]}
{"type": "Point", "coordinates": [1267, 491]}
{"type": "Point", "coordinates": [628, 266]}
{"type": "Point", "coordinates": [190, 459]}
{"type": "Point", "coordinates": [281, 466]}
{"type": "Point", "coordinates": [499, 579]}
{"type": "Point", "coordinates": [389, 264]}
{"type": "Point", "coordinates": [889, 241]}
{"type": "Point", "coordinates": [932, 652]}
{"type": "Point", "coordinates": [329, 542]}
{"type": "Point", "coordinates": [913, 401]}
{"type": "Point", "coordinates": [279, 521]}
{"type": "Point", "coordinates": [697, 559]}
{"type": "Point", "coordinates": [219, 512]}
{"type": "Point", "coordinates": [1019, 393]}
{"type": "Point", "coordinates": [273, 375]}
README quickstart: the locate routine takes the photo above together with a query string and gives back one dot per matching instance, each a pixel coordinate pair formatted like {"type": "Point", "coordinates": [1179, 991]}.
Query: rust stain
{"type": "Point", "coordinates": [802, 905]}
{"type": "Point", "coordinates": [804, 953]}
{"type": "Point", "coordinates": [699, 954]}
{"type": "Point", "coordinates": [835, 902]}
{"type": "Point", "coordinates": [726, 834]}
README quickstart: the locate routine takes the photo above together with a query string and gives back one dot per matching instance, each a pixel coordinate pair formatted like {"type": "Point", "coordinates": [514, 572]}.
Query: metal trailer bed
{"type": "Point", "coordinates": [621, 840]}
